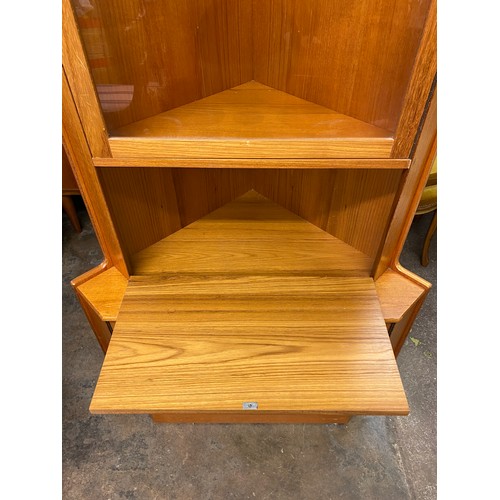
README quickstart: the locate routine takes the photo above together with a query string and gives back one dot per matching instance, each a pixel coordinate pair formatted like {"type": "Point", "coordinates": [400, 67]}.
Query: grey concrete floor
{"type": "Point", "coordinates": [128, 456]}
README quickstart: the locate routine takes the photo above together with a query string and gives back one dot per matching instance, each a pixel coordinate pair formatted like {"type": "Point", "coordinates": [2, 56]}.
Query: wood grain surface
{"type": "Point", "coordinates": [251, 121]}
{"type": "Point", "coordinates": [211, 343]}
{"type": "Point", "coordinates": [257, 163]}
{"type": "Point", "coordinates": [354, 57]}
{"type": "Point", "coordinates": [397, 294]}
{"type": "Point", "coordinates": [79, 155]}
{"type": "Point", "coordinates": [252, 235]}
{"type": "Point", "coordinates": [148, 204]}
{"type": "Point", "coordinates": [167, 53]}
{"type": "Point", "coordinates": [82, 87]}
{"type": "Point", "coordinates": [105, 292]}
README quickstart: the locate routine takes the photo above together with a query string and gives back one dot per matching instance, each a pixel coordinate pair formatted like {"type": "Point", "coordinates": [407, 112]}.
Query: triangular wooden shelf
{"type": "Point", "coordinates": [251, 121]}
{"type": "Point", "coordinates": [252, 235]}
{"type": "Point", "coordinates": [250, 304]}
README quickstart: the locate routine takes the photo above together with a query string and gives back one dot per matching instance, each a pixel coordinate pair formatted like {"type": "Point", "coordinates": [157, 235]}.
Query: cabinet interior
{"type": "Point", "coordinates": [354, 58]}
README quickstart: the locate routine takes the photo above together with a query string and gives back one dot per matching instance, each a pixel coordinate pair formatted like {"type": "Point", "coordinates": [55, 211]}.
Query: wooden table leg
{"type": "Point", "coordinates": [69, 208]}
{"type": "Point", "coordinates": [430, 233]}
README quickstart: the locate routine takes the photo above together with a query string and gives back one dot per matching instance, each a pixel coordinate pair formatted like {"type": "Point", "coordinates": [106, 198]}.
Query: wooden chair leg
{"type": "Point", "coordinates": [69, 208]}
{"type": "Point", "coordinates": [430, 233]}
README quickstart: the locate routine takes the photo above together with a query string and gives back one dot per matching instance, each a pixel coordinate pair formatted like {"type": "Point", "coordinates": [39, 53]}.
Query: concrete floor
{"type": "Point", "coordinates": [122, 456]}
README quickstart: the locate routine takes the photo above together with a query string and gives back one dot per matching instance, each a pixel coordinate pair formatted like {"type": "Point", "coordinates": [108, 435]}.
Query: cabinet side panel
{"type": "Point", "coordinates": [354, 57]}
{"type": "Point", "coordinates": [148, 57]}
{"type": "Point", "coordinates": [80, 158]}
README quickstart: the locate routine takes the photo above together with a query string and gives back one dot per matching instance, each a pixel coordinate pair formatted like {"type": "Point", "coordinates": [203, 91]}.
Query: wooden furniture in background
{"type": "Point", "coordinates": [317, 118]}
{"type": "Point", "coordinates": [427, 204]}
{"type": "Point", "coordinates": [69, 189]}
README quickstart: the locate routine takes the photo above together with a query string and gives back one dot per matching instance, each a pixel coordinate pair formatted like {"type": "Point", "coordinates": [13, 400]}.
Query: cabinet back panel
{"type": "Point", "coordinates": [351, 56]}
{"type": "Point", "coordinates": [148, 57]}
{"type": "Point", "coordinates": [354, 57]}
{"type": "Point", "coordinates": [148, 204]}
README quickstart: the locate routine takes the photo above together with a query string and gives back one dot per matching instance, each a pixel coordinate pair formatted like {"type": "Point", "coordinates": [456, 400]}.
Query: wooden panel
{"type": "Point", "coordinates": [288, 343]}
{"type": "Point", "coordinates": [397, 293]}
{"type": "Point", "coordinates": [251, 121]}
{"type": "Point", "coordinates": [104, 293]}
{"type": "Point", "coordinates": [81, 85]}
{"type": "Point", "coordinates": [155, 56]}
{"type": "Point", "coordinates": [255, 236]}
{"type": "Point", "coordinates": [80, 157]}
{"type": "Point", "coordinates": [256, 163]}
{"type": "Point", "coordinates": [354, 57]}
{"type": "Point", "coordinates": [143, 205]}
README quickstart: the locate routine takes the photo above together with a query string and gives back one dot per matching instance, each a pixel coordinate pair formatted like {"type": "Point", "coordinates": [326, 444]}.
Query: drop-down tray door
{"type": "Point", "coordinates": [250, 348]}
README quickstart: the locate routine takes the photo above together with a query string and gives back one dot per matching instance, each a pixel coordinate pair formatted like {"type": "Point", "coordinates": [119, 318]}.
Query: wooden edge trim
{"type": "Point", "coordinates": [249, 418]}
{"type": "Point", "coordinates": [131, 147]}
{"type": "Point", "coordinates": [91, 273]}
{"type": "Point", "coordinates": [342, 163]}
{"type": "Point", "coordinates": [417, 93]}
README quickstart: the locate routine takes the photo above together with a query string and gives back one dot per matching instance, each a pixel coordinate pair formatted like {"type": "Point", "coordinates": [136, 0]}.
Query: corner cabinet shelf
{"type": "Point", "coordinates": [251, 121]}
{"type": "Point", "coordinates": [251, 170]}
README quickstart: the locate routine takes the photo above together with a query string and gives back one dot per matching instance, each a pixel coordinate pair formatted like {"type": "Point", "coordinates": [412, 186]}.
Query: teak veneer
{"type": "Point", "coordinates": [176, 115]}
{"type": "Point", "coordinates": [270, 309]}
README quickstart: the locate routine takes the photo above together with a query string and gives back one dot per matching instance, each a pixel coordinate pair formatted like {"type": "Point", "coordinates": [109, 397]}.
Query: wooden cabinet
{"type": "Point", "coordinates": [251, 169]}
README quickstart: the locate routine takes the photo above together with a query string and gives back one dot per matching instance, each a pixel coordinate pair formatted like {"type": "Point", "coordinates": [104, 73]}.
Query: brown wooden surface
{"type": "Point", "coordinates": [417, 93]}
{"type": "Point", "coordinates": [257, 163]}
{"type": "Point", "coordinates": [289, 343]}
{"type": "Point", "coordinates": [68, 181]}
{"type": "Point", "coordinates": [354, 57]}
{"type": "Point", "coordinates": [401, 329]}
{"type": "Point", "coordinates": [79, 155]}
{"type": "Point", "coordinates": [251, 121]}
{"type": "Point", "coordinates": [170, 53]}
{"type": "Point", "coordinates": [100, 328]}
{"type": "Point", "coordinates": [104, 293]}
{"type": "Point", "coordinates": [81, 85]}
{"type": "Point", "coordinates": [397, 293]}
{"type": "Point", "coordinates": [250, 417]}
{"type": "Point", "coordinates": [251, 235]}
{"type": "Point", "coordinates": [143, 205]}
{"type": "Point", "coordinates": [148, 204]}
{"type": "Point", "coordinates": [409, 197]}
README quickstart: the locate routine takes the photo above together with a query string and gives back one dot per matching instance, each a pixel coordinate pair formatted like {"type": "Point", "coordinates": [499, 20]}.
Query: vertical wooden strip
{"type": "Point", "coordinates": [79, 155]}
{"type": "Point", "coordinates": [82, 88]}
{"type": "Point", "coordinates": [424, 72]}
{"type": "Point", "coordinates": [409, 198]}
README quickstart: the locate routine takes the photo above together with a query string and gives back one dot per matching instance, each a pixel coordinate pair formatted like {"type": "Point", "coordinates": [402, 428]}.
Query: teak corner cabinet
{"type": "Point", "coordinates": [251, 169]}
